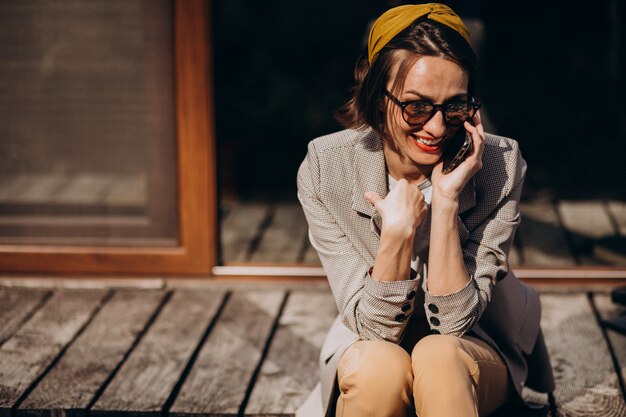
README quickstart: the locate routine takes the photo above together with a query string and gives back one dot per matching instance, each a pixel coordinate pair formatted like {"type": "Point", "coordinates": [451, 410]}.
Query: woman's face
{"type": "Point", "coordinates": [439, 81]}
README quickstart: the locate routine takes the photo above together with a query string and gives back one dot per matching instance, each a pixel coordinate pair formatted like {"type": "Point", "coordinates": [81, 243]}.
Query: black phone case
{"type": "Point", "coordinates": [453, 149]}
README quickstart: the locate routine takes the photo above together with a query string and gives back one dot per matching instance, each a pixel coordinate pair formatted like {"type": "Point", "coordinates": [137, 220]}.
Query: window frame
{"type": "Point", "coordinates": [196, 253]}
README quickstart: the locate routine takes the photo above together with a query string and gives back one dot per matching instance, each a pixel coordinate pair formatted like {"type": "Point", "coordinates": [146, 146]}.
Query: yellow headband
{"type": "Point", "coordinates": [395, 20]}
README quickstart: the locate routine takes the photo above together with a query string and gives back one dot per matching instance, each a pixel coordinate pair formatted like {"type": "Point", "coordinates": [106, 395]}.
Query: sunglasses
{"type": "Point", "coordinates": [418, 112]}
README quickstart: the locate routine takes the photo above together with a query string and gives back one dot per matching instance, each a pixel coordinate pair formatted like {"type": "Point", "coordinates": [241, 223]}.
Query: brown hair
{"type": "Point", "coordinates": [422, 38]}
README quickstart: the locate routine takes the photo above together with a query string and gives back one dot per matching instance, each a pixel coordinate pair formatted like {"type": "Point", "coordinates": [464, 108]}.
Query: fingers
{"type": "Point", "coordinates": [405, 194]}
{"type": "Point", "coordinates": [478, 137]}
{"type": "Point", "coordinates": [475, 125]}
{"type": "Point", "coordinates": [402, 209]}
{"type": "Point", "coordinates": [478, 122]}
{"type": "Point", "coordinates": [372, 197]}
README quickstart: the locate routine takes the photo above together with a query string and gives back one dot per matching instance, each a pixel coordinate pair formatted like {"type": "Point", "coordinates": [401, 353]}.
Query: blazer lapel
{"type": "Point", "coordinates": [467, 198]}
{"type": "Point", "coordinates": [371, 173]}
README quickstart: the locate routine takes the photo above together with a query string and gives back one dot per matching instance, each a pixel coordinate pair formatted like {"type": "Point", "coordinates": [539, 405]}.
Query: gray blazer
{"type": "Point", "coordinates": [345, 230]}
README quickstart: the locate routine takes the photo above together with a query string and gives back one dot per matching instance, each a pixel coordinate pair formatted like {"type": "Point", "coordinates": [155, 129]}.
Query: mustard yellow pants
{"type": "Point", "coordinates": [445, 376]}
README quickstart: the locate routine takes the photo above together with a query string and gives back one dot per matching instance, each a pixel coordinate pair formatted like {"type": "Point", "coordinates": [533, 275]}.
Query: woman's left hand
{"type": "Point", "coordinates": [450, 185]}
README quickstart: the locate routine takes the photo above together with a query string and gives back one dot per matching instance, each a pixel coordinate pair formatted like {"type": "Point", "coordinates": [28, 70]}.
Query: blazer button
{"type": "Point", "coordinates": [433, 308]}
{"type": "Point", "coordinates": [434, 321]}
{"type": "Point", "coordinates": [406, 307]}
{"type": "Point", "coordinates": [400, 318]}
{"type": "Point", "coordinates": [435, 331]}
{"type": "Point", "coordinates": [410, 295]}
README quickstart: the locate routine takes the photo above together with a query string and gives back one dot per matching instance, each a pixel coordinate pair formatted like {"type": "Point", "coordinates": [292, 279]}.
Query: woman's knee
{"type": "Point", "coordinates": [375, 365]}
{"type": "Point", "coordinates": [435, 353]}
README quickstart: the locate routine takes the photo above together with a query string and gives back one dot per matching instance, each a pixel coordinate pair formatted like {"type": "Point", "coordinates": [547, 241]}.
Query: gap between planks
{"type": "Point", "coordinates": [587, 381]}
{"type": "Point", "coordinates": [27, 357]}
{"type": "Point", "coordinates": [146, 380]}
{"type": "Point", "coordinates": [94, 357]}
{"type": "Point", "coordinates": [561, 233]}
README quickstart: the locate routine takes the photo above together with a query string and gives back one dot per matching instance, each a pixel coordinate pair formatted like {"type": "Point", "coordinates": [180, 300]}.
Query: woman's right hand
{"type": "Point", "coordinates": [403, 209]}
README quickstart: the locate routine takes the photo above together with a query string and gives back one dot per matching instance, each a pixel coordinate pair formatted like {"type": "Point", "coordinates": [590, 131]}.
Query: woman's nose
{"type": "Point", "coordinates": [436, 126]}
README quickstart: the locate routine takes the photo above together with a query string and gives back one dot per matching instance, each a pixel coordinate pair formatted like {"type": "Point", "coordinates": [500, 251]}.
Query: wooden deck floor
{"type": "Point", "coordinates": [235, 350]}
{"type": "Point", "coordinates": [552, 234]}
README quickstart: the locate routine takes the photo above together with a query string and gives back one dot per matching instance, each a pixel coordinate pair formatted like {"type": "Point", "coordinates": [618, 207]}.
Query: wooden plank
{"type": "Point", "coordinates": [618, 211]}
{"type": "Point", "coordinates": [239, 228]}
{"type": "Point", "coordinates": [75, 379]}
{"type": "Point", "coordinates": [16, 305]}
{"type": "Point", "coordinates": [33, 282]}
{"type": "Point", "coordinates": [127, 191]}
{"type": "Point", "coordinates": [586, 218]}
{"type": "Point", "coordinates": [12, 187]}
{"type": "Point", "coordinates": [283, 239]}
{"type": "Point", "coordinates": [83, 189]}
{"type": "Point", "coordinates": [587, 222]}
{"type": "Point", "coordinates": [290, 370]}
{"type": "Point", "coordinates": [586, 383]}
{"type": "Point", "coordinates": [611, 250]}
{"type": "Point", "coordinates": [30, 351]}
{"type": "Point", "coordinates": [609, 310]}
{"type": "Point", "coordinates": [219, 380]}
{"type": "Point", "coordinates": [41, 188]}
{"type": "Point", "coordinates": [147, 378]}
{"type": "Point", "coordinates": [542, 237]}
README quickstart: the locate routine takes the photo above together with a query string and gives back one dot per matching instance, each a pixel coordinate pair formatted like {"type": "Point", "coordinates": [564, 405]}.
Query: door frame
{"type": "Point", "coordinates": [196, 252]}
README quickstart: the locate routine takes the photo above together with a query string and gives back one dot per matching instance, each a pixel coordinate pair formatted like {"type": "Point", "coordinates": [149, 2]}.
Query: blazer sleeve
{"type": "Point", "coordinates": [485, 253]}
{"type": "Point", "coordinates": [371, 309]}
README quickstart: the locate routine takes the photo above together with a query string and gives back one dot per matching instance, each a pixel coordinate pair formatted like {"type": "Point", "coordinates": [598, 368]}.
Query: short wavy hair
{"type": "Point", "coordinates": [423, 37]}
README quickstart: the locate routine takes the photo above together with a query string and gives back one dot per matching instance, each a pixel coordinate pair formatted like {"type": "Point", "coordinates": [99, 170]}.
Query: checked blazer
{"type": "Point", "coordinates": [345, 229]}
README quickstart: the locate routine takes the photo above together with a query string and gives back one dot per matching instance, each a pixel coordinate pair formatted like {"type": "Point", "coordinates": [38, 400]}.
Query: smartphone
{"type": "Point", "coordinates": [460, 146]}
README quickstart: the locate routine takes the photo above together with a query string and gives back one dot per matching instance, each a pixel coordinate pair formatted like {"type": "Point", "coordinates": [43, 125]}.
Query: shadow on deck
{"type": "Point", "coordinates": [552, 234]}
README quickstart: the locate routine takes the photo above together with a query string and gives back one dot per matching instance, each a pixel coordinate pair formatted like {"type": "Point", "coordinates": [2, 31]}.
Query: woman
{"type": "Point", "coordinates": [431, 321]}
